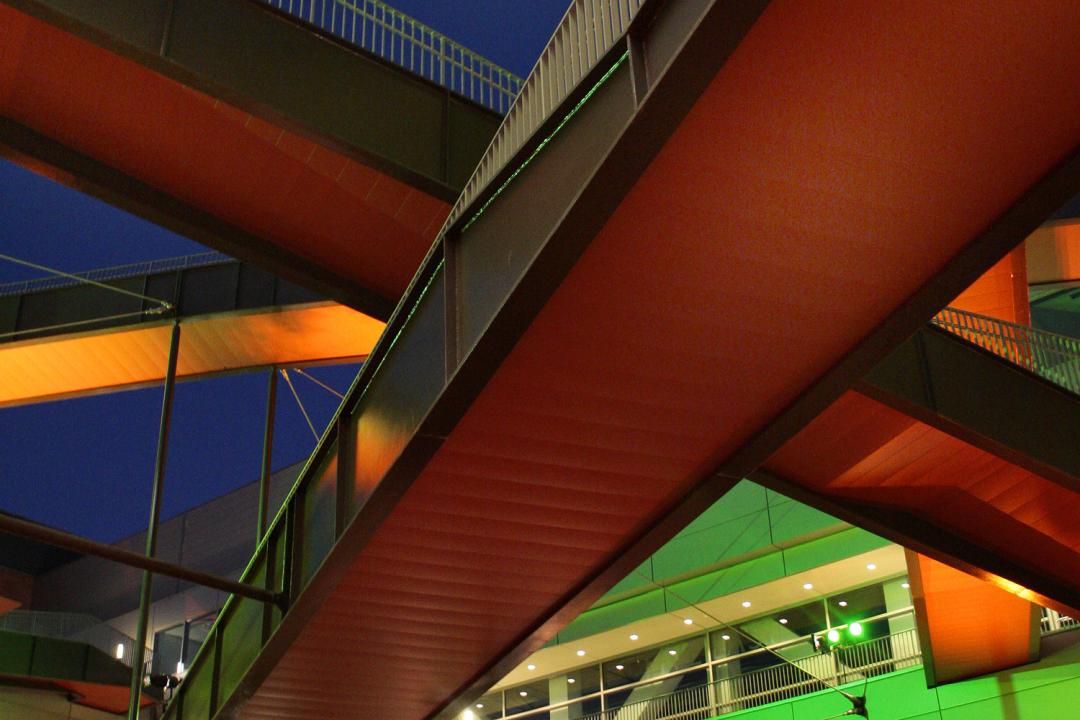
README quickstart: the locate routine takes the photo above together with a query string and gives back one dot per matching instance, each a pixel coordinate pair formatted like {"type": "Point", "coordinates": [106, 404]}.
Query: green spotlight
{"type": "Point", "coordinates": [833, 636]}
{"type": "Point", "coordinates": [855, 629]}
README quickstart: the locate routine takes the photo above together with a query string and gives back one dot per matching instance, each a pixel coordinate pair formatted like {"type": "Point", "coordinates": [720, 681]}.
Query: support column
{"type": "Point", "coordinates": [268, 446]}
{"type": "Point", "coordinates": [138, 651]}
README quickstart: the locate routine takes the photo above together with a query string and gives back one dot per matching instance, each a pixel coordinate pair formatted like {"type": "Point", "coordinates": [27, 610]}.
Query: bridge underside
{"type": "Point", "coordinates": [197, 140]}
{"type": "Point", "coordinates": [803, 218]}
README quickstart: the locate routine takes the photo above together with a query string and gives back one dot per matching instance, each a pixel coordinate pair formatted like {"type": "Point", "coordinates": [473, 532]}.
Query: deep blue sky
{"type": "Point", "coordinates": [86, 465]}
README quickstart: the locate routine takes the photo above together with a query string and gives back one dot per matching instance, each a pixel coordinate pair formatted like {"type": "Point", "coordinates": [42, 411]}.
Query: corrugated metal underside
{"type": "Point", "coordinates": [863, 450]}
{"type": "Point", "coordinates": [833, 166]}
{"type": "Point", "coordinates": [257, 176]}
{"type": "Point", "coordinates": [67, 366]}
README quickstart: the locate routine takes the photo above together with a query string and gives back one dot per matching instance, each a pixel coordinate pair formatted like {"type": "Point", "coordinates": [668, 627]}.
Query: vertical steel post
{"type": "Point", "coordinates": [268, 446]}
{"type": "Point", "coordinates": [151, 530]}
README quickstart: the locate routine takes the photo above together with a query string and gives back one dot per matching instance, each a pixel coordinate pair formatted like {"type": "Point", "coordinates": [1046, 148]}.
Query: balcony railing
{"type": "Point", "coordinates": [777, 683]}
{"type": "Point", "coordinates": [399, 39]}
{"type": "Point", "coordinates": [1050, 356]}
{"type": "Point", "coordinates": [114, 272]}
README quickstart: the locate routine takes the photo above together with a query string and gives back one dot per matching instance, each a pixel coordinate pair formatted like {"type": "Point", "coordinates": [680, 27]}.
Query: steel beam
{"type": "Point", "coordinates": [267, 452]}
{"type": "Point", "coordinates": [959, 388]}
{"type": "Point", "coordinates": [157, 493]}
{"type": "Point", "coordinates": [74, 543]}
{"type": "Point", "coordinates": [913, 532]}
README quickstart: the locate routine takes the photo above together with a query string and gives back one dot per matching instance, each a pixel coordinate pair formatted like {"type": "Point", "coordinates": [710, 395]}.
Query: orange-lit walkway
{"type": "Point", "coordinates": [64, 366]}
{"type": "Point", "coordinates": [839, 179]}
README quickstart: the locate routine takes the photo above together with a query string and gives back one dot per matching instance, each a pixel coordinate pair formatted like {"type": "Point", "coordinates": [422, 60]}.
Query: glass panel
{"type": "Point", "coordinates": [488, 707]}
{"type": "Point", "coordinates": [530, 696]}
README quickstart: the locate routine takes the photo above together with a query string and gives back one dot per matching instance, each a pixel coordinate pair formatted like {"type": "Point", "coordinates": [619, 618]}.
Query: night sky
{"type": "Point", "coordinates": [86, 465]}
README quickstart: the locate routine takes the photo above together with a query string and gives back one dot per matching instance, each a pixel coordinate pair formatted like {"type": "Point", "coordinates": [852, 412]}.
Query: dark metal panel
{"type": "Point", "coordinates": [959, 388]}
{"type": "Point", "coordinates": [256, 288]}
{"type": "Point", "coordinates": [495, 251]}
{"type": "Point", "coordinates": [342, 94]}
{"type": "Point", "coordinates": [209, 289]}
{"type": "Point", "coordinates": [402, 392]}
{"type": "Point", "coordinates": [139, 23]}
{"type": "Point", "coordinates": [78, 304]}
{"type": "Point", "coordinates": [468, 134]}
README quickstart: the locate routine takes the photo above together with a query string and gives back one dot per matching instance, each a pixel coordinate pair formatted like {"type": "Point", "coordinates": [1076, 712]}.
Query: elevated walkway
{"type": "Point", "coordinates": [720, 234]}
{"type": "Point", "coordinates": [250, 131]}
{"type": "Point", "coordinates": [60, 339]}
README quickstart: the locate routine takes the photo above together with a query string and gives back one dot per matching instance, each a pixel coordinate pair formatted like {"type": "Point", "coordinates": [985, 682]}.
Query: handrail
{"type": "Point", "coordinates": [115, 272]}
{"type": "Point", "coordinates": [584, 36]}
{"type": "Point", "coordinates": [1050, 356]}
{"type": "Point", "coordinates": [395, 37]}
{"type": "Point", "coordinates": [770, 649]}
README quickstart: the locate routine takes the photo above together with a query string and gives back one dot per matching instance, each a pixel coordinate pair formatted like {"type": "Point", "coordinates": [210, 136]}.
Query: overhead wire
{"type": "Point", "coordinates": [296, 397]}
{"type": "Point", "coordinates": [320, 383]}
{"type": "Point", "coordinates": [164, 305]}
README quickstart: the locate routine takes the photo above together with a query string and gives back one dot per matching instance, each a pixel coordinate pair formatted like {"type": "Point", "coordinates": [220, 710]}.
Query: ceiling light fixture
{"type": "Point", "coordinates": [746, 603]}
{"type": "Point", "coordinates": [619, 667]}
{"type": "Point", "coordinates": [571, 680]}
{"type": "Point", "coordinates": [687, 621]}
{"type": "Point", "coordinates": [783, 621]}
{"type": "Point", "coordinates": [871, 566]}
{"type": "Point", "coordinates": [726, 637]}
{"type": "Point", "coordinates": [670, 652]}
{"type": "Point", "coordinates": [530, 666]}
{"type": "Point", "coordinates": [905, 585]}
{"type": "Point", "coordinates": [581, 653]}
{"type": "Point", "coordinates": [842, 603]}
{"type": "Point", "coordinates": [808, 586]}
{"type": "Point", "coordinates": [633, 636]}
{"type": "Point", "coordinates": [523, 694]}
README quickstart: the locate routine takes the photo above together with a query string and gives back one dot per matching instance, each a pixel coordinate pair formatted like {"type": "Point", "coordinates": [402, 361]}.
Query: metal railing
{"type": "Point", "coordinates": [1052, 621]}
{"type": "Point", "coordinates": [587, 32]}
{"type": "Point", "coordinates": [76, 627]}
{"type": "Point", "coordinates": [1053, 357]}
{"type": "Point", "coordinates": [115, 272]}
{"type": "Point", "coordinates": [399, 39]}
{"type": "Point", "coordinates": [776, 683]}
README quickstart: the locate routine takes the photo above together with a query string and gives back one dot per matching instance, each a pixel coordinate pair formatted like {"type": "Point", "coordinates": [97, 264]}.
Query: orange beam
{"type": "Point", "coordinates": [967, 626]}
{"type": "Point", "coordinates": [107, 360]}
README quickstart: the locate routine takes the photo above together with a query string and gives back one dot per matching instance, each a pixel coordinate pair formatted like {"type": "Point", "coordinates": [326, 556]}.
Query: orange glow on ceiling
{"type": "Point", "coordinates": [105, 360]}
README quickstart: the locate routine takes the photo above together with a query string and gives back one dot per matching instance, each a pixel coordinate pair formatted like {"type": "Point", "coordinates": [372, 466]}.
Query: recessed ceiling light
{"type": "Point", "coordinates": [581, 653]}
{"type": "Point", "coordinates": [619, 667]}
{"type": "Point", "coordinates": [746, 603]}
{"type": "Point", "coordinates": [842, 603]}
{"type": "Point", "coordinates": [571, 680]}
{"type": "Point", "coordinates": [905, 585]}
{"type": "Point", "coordinates": [687, 621]}
{"type": "Point", "coordinates": [530, 666]}
{"type": "Point", "coordinates": [468, 715]}
{"type": "Point", "coordinates": [479, 706]}
{"type": "Point", "coordinates": [670, 652]}
{"type": "Point", "coordinates": [523, 693]}
{"type": "Point", "coordinates": [726, 637]}
{"type": "Point", "coordinates": [633, 636]}
{"type": "Point", "coordinates": [871, 566]}
{"type": "Point", "coordinates": [783, 621]}
{"type": "Point", "coordinates": [808, 586]}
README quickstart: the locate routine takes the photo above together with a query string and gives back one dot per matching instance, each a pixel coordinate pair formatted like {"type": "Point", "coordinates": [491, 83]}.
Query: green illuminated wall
{"type": "Point", "coordinates": [749, 537]}
{"type": "Point", "coordinates": [1047, 690]}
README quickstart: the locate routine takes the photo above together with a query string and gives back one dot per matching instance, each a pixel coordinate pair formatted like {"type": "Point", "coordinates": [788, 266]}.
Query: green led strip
{"type": "Point", "coordinates": [573, 111]}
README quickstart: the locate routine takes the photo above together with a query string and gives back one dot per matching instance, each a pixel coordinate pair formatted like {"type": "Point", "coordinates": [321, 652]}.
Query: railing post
{"type": "Point", "coordinates": [139, 651]}
{"type": "Point", "coordinates": [267, 450]}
